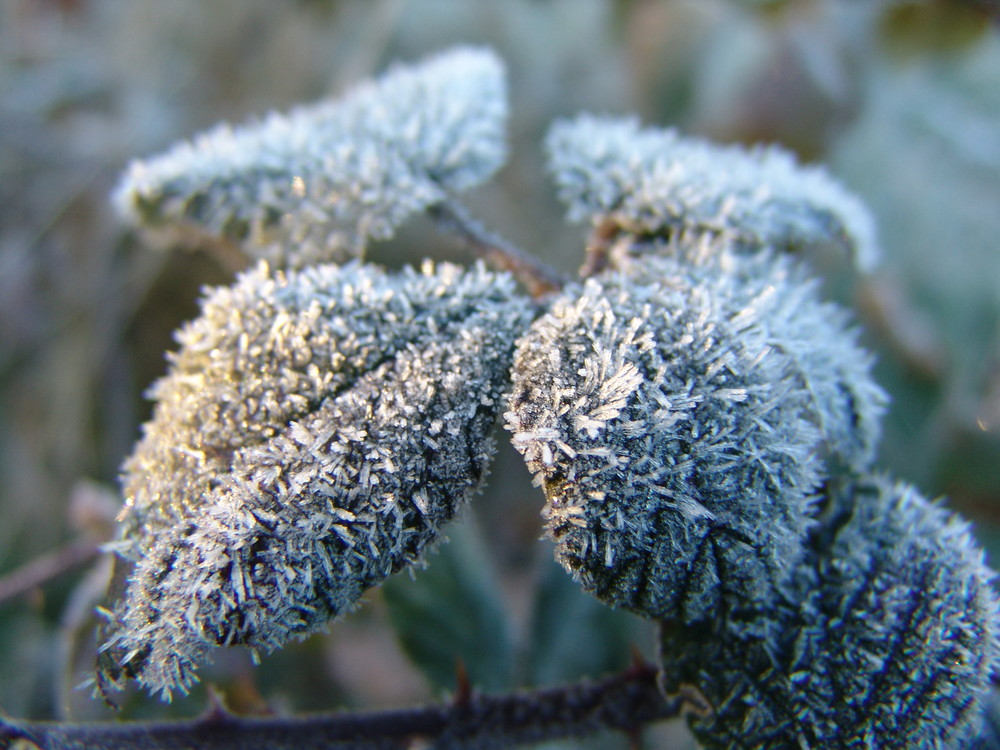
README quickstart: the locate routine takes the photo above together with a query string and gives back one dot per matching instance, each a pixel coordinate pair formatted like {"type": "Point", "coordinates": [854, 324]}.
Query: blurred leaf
{"type": "Point", "coordinates": [909, 29]}
{"type": "Point", "coordinates": [452, 612]}
{"type": "Point", "coordinates": [573, 635]}
{"type": "Point", "coordinates": [26, 667]}
{"type": "Point", "coordinates": [926, 157]}
{"type": "Point", "coordinates": [781, 75]}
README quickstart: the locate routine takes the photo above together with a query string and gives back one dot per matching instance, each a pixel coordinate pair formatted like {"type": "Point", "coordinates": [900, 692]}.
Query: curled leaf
{"type": "Point", "coordinates": [679, 420]}
{"type": "Point", "coordinates": [315, 431]}
{"type": "Point", "coordinates": [315, 184]}
{"type": "Point", "coordinates": [651, 181]}
{"type": "Point", "coordinates": [887, 637]}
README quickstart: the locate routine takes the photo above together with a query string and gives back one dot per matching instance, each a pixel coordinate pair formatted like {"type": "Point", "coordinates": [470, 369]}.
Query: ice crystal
{"type": "Point", "coordinates": [702, 424]}
{"type": "Point", "coordinates": [654, 181]}
{"type": "Point", "coordinates": [314, 432]}
{"type": "Point", "coordinates": [315, 184]}
{"type": "Point", "coordinates": [887, 637]}
{"type": "Point", "coordinates": [678, 419]}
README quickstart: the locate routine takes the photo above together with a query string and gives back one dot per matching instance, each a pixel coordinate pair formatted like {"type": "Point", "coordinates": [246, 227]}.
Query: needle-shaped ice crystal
{"type": "Point", "coordinates": [887, 637]}
{"type": "Point", "coordinates": [679, 419]}
{"type": "Point", "coordinates": [316, 183]}
{"type": "Point", "coordinates": [315, 431]}
{"type": "Point", "coordinates": [652, 181]}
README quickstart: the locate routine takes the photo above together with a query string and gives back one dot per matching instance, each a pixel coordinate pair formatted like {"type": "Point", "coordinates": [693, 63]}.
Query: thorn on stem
{"type": "Point", "coordinates": [463, 687]}
{"type": "Point", "coordinates": [640, 664]}
{"type": "Point", "coordinates": [216, 711]}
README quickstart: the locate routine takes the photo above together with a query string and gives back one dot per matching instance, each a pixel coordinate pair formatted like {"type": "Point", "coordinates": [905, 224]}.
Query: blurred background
{"type": "Point", "coordinates": [900, 99]}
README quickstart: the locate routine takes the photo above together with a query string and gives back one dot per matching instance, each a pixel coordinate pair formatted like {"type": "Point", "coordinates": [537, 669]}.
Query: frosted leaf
{"type": "Point", "coordinates": [678, 420]}
{"type": "Point", "coordinates": [889, 638]}
{"type": "Point", "coordinates": [651, 181]}
{"type": "Point", "coordinates": [316, 183]}
{"type": "Point", "coordinates": [314, 432]}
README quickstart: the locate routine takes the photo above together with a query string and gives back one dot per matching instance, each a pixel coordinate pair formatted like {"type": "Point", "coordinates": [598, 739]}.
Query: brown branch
{"type": "Point", "coordinates": [909, 334]}
{"type": "Point", "coordinates": [537, 277]}
{"type": "Point", "coordinates": [43, 569]}
{"type": "Point", "coordinates": [625, 702]}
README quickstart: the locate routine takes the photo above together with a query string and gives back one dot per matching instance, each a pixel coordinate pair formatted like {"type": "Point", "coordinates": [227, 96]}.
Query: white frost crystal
{"type": "Point", "coordinates": [702, 424]}
{"type": "Point", "coordinates": [679, 419]}
{"type": "Point", "coordinates": [651, 181]}
{"type": "Point", "coordinates": [315, 431]}
{"type": "Point", "coordinates": [315, 184]}
{"type": "Point", "coordinates": [886, 636]}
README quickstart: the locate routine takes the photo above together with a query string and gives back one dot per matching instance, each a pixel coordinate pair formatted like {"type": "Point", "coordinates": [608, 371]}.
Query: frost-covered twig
{"type": "Point", "coordinates": [623, 702]}
{"type": "Point", "coordinates": [538, 277]}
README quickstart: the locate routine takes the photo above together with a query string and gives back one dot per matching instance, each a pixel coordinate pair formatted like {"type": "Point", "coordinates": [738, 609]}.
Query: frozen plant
{"type": "Point", "coordinates": [653, 182]}
{"type": "Point", "coordinates": [317, 183]}
{"type": "Point", "coordinates": [316, 430]}
{"type": "Point", "coordinates": [702, 424]}
{"type": "Point", "coordinates": [680, 419]}
{"type": "Point", "coordinates": [884, 637]}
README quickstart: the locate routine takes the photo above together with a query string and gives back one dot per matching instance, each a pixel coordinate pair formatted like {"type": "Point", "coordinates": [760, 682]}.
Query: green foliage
{"type": "Point", "coordinates": [573, 636]}
{"type": "Point", "coordinates": [451, 613]}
